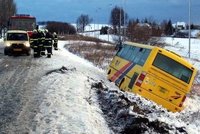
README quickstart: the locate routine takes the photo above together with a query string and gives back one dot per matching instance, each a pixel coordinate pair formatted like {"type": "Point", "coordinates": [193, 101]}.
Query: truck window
{"type": "Point", "coordinates": [17, 36]}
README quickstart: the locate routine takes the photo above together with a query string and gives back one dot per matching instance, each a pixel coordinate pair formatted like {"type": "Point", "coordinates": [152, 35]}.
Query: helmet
{"type": "Point", "coordinates": [46, 31]}
{"type": "Point", "coordinates": [54, 33]}
{"type": "Point", "coordinates": [34, 31]}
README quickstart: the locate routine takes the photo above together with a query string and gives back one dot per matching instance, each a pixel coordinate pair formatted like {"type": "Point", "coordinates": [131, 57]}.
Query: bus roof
{"type": "Point", "coordinates": [139, 45]}
{"type": "Point", "coordinates": [174, 55]}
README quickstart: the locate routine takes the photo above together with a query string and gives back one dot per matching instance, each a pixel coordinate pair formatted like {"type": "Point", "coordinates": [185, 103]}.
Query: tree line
{"type": "Point", "coordinates": [134, 29]}
{"type": "Point", "coordinates": [60, 27]}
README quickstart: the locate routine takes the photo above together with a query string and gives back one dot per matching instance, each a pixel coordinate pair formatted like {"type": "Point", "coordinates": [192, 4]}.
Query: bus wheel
{"type": "Point", "coordinates": [5, 52]}
{"type": "Point", "coordinates": [109, 71]}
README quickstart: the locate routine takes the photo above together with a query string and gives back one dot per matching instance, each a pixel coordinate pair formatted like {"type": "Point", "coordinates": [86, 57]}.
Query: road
{"type": "Point", "coordinates": [18, 76]}
{"type": "Point", "coordinates": [34, 99]}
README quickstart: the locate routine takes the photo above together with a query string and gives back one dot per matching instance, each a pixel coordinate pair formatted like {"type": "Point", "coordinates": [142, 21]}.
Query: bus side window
{"type": "Point", "coordinates": [125, 50]}
{"type": "Point", "coordinates": [134, 54]}
{"type": "Point", "coordinates": [139, 55]}
{"type": "Point", "coordinates": [129, 53]}
{"type": "Point", "coordinates": [144, 57]}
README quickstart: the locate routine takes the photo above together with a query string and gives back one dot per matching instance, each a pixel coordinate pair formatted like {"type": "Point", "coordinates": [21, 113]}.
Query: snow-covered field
{"type": "Point", "coordinates": [181, 47]}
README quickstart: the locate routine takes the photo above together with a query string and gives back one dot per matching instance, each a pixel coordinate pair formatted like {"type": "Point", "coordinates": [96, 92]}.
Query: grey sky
{"type": "Point", "coordinates": [99, 10]}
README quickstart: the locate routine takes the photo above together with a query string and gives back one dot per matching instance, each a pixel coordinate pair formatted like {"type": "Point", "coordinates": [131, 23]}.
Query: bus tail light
{"type": "Point", "coordinates": [140, 79]}
{"type": "Point", "coordinates": [181, 104]}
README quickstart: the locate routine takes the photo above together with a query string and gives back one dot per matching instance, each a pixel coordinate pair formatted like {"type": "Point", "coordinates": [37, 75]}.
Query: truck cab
{"type": "Point", "coordinates": [16, 42]}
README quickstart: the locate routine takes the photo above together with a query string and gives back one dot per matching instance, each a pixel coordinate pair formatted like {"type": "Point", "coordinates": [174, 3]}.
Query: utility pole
{"type": "Point", "coordinates": [124, 21]}
{"type": "Point", "coordinates": [108, 32]}
{"type": "Point", "coordinates": [120, 41]}
{"type": "Point", "coordinates": [189, 33]}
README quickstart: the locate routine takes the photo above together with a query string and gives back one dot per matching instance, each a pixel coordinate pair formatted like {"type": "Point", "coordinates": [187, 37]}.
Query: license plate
{"type": "Point", "coordinates": [17, 49]}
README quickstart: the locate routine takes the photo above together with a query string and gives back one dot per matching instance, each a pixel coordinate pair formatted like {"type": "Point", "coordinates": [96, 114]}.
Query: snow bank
{"type": "Point", "coordinates": [67, 104]}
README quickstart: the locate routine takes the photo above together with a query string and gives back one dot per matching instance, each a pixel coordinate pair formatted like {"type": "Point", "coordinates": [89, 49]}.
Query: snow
{"type": "Point", "coordinates": [64, 97]}
{"type": "Point", "coordinates": [68, 105]}
{"type": "Point", "coordinates": [93, 30]}
{"type": "Point", "coordinates": [65, 106]}
{"type": "Point", "coordinates": [107, 37]}
{"type": "Point", "coordinates": [182, 119]}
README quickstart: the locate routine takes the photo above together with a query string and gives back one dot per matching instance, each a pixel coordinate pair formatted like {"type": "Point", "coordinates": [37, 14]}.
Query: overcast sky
{"type": "Point", "coordinates": [99, 10]}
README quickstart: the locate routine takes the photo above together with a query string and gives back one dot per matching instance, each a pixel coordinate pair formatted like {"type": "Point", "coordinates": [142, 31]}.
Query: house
{"type": "Point", "coordinates": [180, 25]}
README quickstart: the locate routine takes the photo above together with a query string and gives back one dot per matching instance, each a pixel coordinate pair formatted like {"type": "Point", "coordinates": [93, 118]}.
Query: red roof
{"type": "Point", "coordinates": [22, 17]}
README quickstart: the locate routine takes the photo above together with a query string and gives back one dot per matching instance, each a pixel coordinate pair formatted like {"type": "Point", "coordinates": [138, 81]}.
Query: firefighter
{"type": "Point", "coordinates": [35, 44]}
{"type": "Point", "coordinates": [48, 43]}
{"type": "Point", "coordinates": [55, 43]}
{"type": "Point", "coordinates": [42, 42]}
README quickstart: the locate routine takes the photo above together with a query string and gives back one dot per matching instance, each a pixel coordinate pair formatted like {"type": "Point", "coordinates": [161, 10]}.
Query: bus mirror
{"type": "Point", "coordinates": [118, 47]}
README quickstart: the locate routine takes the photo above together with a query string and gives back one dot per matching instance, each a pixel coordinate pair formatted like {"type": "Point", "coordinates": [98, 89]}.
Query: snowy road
{"type": "Point", "coordinates": [48, 95]}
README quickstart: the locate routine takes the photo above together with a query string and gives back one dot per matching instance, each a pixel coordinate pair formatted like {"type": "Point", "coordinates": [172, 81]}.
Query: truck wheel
{"type": "Point", "coordinates": [28, 53]}
{"type": "Point", "coordinates": [5, 52]}
{"type": "Point", "coordinates": [35, 55]}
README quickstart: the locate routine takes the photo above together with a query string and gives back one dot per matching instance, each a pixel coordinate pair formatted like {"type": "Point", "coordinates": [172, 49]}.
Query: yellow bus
{"type": "Point", "coordinates": [154, 73]}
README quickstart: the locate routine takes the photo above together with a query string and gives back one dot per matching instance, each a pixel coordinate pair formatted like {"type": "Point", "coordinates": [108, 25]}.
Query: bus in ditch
{"type": "Point", "coordinates": [154, 73]}
{"type": "Point", "coordinates": [22, 22]}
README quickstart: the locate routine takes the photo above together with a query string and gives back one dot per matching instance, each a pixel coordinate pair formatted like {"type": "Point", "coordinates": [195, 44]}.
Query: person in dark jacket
{"type": "Point", "coordinates": [41, 42]}
{"type": "Point", "coordinates": [55, 39]}
{"type": "Point", "coordinates": [48, 43]}
{"type": "Point", "coordinates": [35, 43]}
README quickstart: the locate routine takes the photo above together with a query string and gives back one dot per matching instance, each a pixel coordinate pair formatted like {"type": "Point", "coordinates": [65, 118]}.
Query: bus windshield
{"type": "Point", "coordinates": [173, 68]}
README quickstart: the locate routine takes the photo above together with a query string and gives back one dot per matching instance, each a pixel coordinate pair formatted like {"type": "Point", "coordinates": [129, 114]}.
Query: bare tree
{"type": "Point", "coordinates": [82, 21]}
{"type": "Point", "coordinates": [7, 9]}
{"type": "Point", "coordinates": [167, 27]}
{"type": "Point", "coordinates": [131, 28]}
{"type": "Point", "coordinates": [139, 32]}
{"type": "Point", "coordinates": [117, 18]}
